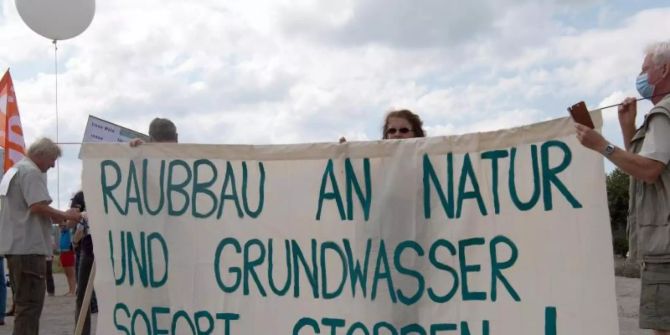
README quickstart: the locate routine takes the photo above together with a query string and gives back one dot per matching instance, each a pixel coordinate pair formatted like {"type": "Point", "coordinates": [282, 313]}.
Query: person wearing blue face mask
{"type": "Point", "coordinates": [645, 158]}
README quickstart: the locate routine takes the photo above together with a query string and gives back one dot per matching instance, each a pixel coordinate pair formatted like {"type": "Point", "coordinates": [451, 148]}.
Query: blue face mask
{"type": "Point", "coordinates": [645, 89]}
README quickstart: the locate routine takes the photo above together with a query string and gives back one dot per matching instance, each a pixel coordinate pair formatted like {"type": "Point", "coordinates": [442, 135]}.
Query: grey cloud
{"type": "Point", "coordinates": [429, 23]}
{"type": "Point", "coordinates": [399, 23]}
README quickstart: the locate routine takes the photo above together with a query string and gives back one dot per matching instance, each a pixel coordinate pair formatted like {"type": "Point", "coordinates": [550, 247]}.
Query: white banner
{"type": "Point", "coordinates": [504, 232]}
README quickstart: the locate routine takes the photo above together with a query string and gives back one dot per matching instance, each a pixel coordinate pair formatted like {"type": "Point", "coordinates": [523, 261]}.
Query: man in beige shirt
{"type": "Point", "coordinates": [645, 159]}
{"type": "Point", "coordinates": [25, 230]}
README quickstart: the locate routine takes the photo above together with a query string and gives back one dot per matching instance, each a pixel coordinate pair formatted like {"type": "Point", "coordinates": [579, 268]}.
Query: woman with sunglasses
{"type": "Point", "coordinates": [401, 124]}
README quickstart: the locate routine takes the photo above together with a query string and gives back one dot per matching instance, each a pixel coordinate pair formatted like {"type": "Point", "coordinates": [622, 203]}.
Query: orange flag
{"type": "Point", "coordinates": [11, 132]}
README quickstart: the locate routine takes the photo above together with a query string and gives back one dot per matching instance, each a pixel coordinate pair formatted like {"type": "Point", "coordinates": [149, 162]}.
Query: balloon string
{"type": "Point", "coordinates": [57, 161]}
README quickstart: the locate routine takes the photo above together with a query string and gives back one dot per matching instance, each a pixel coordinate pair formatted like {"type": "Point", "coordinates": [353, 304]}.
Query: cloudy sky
{"type": "Point", "coordinates": [290, 71]}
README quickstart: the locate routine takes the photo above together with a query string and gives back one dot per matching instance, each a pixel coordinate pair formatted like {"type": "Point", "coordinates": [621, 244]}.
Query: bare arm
{"type": "Point", "coordinates": [627, 114]}
{"type": "Point", "coordinates": [628, 132]}
{"type": "Point", "coordinates": [636, 166]}
{"type": "Point", "coordinates": [43, 209]}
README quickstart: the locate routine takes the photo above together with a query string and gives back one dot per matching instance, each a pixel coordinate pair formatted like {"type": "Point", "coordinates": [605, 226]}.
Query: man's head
{"type": "Point", "coordinates": [656, 67]}
{"type": "Point", "coordinates": [162, 130]}
{"type": "Point", "coordinates": [44, 153]}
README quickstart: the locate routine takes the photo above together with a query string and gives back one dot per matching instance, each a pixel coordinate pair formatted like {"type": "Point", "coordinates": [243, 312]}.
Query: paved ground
{"type": "Point", "coordinates": [628, 301]}
{"type": "Point", "coordinates": [58, 314]}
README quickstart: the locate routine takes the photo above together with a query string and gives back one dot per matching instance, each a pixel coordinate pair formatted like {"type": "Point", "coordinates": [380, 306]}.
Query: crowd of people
{"type": "Point", "coordinates": [26, 215]}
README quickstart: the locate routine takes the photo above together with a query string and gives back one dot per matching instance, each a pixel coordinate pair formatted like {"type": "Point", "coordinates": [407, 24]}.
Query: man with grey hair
{"type": "Point", "coordinates": [645, 158]}
{"type": "Point", "coordinates": [25, 230]}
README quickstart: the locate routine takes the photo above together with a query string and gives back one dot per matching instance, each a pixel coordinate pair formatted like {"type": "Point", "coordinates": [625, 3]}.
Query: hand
{"type": "Point", "coordinates": [628, 112]}
{"type": "Point", "coordinates": [590, 138]}
{"type": "Point", "coordinates": [73, 214]}
{"type": "Point", "coordinates": [135, 142]}
{"type": "Point", "coordinates": [343, 139]}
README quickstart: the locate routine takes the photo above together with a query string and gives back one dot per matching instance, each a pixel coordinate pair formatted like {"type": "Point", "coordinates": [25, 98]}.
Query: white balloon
{"type": "Point", "coordinates": [57, 19]}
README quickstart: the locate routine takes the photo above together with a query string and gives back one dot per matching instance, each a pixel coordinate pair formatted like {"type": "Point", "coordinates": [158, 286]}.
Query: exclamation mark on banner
{"type": "Point", "coordinates": [550, 321]}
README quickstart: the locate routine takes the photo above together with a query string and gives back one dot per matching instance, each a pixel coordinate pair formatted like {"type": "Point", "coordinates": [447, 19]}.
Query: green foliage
{"type": "Point", "coordinates": [617, 201]}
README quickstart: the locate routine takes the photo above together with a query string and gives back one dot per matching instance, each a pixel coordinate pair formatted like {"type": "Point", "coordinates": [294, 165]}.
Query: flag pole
{"type": "Point", "coordinates": [55, 42]}
{"type": "Point", "coordinates": [86, 302]}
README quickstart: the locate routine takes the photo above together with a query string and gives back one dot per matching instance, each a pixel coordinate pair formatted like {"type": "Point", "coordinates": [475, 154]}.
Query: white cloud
{"type": "Point", "coordinates": [397, 23]}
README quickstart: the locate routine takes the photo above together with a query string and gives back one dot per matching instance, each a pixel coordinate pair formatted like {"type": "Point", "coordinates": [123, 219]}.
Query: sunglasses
{"type": "Point", "coordinates": [392, 131]}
